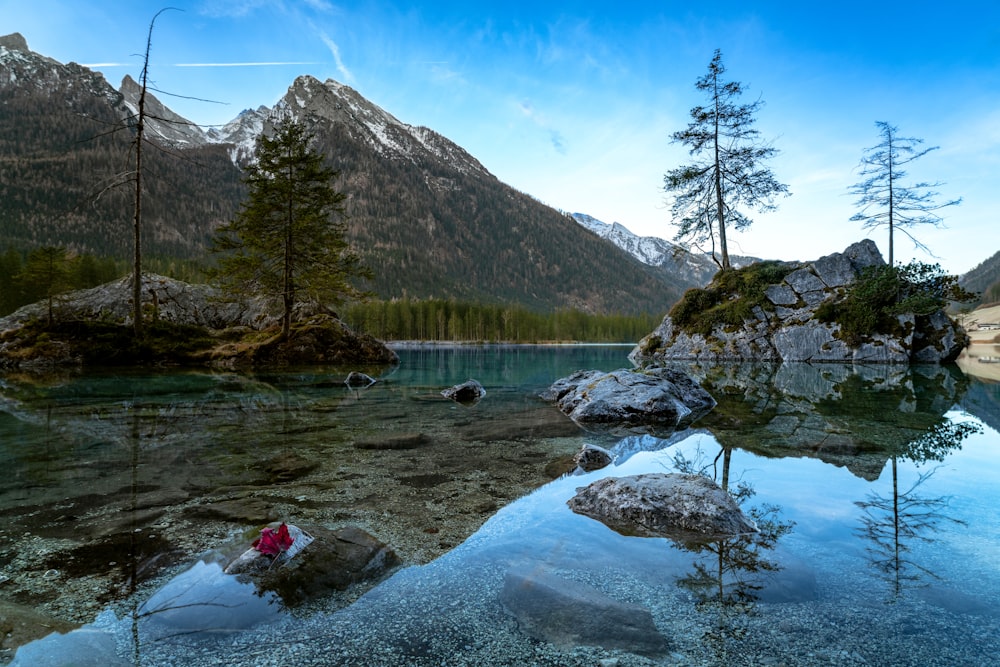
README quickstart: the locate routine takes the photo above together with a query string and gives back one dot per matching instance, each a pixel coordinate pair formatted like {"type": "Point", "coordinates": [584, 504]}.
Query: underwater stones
{"type": "Point", "coordinates": [331, 560]}
{"type": "Point", "coordinates": [400, 441]}
{"type": "Point", "coordinates": [655, 399]}
{"type": "Point", "coordinates": [469, 391]}
{"type": "Point", "coordinates": [568, 613]}
{"type": "Point", "coordinates": [678, 506]}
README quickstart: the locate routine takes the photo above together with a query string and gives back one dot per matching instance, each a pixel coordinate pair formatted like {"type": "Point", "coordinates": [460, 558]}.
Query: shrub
{"type": "Point", "coordinates": [880, 294]}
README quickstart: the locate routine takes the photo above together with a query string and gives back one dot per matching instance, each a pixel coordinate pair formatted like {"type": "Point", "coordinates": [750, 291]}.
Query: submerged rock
{"type": "Point", "coordinates": [469, 391]}
{"type": "Point", "coordinates": [568, 613]}
{"type": "Point", "coordinates": [592, 457]}
{"type": "Point", "coordinates": [657, 399]}
{"type": "Point", "coordinates": [317, 564]}
{"type": "Point", "coordinates": [674, 505]}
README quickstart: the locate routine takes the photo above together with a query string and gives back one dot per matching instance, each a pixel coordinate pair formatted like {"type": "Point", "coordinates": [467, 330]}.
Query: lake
{"type": "Point", "coordinates": [875, 490]}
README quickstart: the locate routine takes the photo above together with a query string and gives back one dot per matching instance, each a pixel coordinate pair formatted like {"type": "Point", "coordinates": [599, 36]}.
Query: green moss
{"type": "Point", "coordinates": [731, 298]}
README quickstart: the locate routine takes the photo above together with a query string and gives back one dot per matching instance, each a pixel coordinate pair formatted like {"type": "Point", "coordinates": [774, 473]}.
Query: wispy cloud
{"type": "Point", "coordinates": [248, 64]}
{"type": "Point", "coordinates": [258, 64]}
{"type": "Point", "coordinates": [555, 137]}
{"type": "Point", "coordinates": [335, 50]}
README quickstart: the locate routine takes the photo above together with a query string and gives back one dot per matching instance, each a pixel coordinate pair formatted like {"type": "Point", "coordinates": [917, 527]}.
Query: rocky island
{"type": "Point", "coordinates": [783, 320]}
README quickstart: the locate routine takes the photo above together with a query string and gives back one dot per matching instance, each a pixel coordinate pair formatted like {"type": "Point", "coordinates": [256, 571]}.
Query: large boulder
{"type": "Point", "coordinates": [652, 400]}
{"type": "Point", "coordinates": [787, 328]}
{"type": "Point", "coordinates": [678, 506]}
{"type": "Point", "coordinates": [317, 335]}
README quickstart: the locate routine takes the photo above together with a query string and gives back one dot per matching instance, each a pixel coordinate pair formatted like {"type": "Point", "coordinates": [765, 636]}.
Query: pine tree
{"type": "Point", "coordinates": [884, 200]}
{"type": "Point", "coordinates": [727, 173]}
{"type": "Point", "coordinates": [287, 241]}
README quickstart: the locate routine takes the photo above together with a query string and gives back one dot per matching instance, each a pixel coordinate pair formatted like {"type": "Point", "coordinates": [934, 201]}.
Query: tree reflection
{"type": "Point", "coordinates": [894, 524]}
{"type": "Point", "coordinates": [729, 572]}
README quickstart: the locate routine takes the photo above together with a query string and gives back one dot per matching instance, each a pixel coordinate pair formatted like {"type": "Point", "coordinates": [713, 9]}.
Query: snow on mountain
{"type": "Point", "coordinates": [241, 133]}
{"type": "Point", "coordinates": [309, 99]}
{"type": "Point", "coordinates": [652, 250]}
{"type": "Point", "coordinates": [163, 125]}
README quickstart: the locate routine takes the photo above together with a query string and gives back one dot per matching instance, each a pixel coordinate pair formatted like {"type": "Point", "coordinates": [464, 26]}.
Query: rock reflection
{"type": "Point", "coordinates": [850, 416]}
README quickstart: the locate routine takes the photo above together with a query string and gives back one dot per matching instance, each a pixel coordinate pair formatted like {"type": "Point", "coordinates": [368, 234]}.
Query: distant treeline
{"type": "Point", "coordinates": [450, 320]}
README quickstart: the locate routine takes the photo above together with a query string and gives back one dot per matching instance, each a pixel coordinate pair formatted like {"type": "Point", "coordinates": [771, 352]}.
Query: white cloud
{"type": "Point", "coordinates": [335, 50]}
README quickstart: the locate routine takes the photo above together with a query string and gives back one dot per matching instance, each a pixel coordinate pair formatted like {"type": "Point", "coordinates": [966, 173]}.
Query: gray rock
{"type": "Point", "coordinates": [794, 333]}
{"type": "Point", "coordinates": [804, 280]}
{"type": "Point", "coordinates": [682, 507]}
{"type": "Point", "coordinates": [469, 391]}
{"type": "Point", "coordinates": [781, 295]}
{"type": "Point", "coordinates": [592, 457]}
{"type": "Point", "coordinates": [568, 613]}
{"type": "Point", "coordinates": [331, 560]}
{"type": "Point", "coordinates": [653, 399]}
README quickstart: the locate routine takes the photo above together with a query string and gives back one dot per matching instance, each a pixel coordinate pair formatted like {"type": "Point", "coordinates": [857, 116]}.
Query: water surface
{"type": "Point", "coordinates": [875, 488]}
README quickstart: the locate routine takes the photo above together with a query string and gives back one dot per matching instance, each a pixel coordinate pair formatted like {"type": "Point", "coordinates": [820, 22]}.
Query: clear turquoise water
{"type": "Point", "coordinates": [880, 486]}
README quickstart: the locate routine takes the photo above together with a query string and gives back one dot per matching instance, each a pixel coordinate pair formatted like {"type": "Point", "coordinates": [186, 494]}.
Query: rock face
{"type": "Point", "coordinates": [657, 399]}
{"type": "Point", "coordinates": [791, 333]}
{"type": "Point", "coordinates": [683, 507]}
{"type": "Point", "coordinates": [568, 613]}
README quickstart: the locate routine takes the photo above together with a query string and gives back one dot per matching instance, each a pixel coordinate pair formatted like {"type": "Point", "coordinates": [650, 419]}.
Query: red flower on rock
{"type": "Point", "coordinates": [273, 542]}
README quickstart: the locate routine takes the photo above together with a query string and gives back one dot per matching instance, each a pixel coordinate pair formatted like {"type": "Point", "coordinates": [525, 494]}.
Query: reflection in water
{"type": "Point", "coordinates": [109, 478]}
{"type": "Point", "coordinates": [850, 416]}
{"type": "Point", "coordinates": [892, 524]}
{"type": "Point", "coordinates": [727, 572]}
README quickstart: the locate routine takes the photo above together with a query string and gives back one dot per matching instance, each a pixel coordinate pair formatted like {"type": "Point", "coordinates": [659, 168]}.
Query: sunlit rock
{"type": "Point", "coordinates": [653, 400]}
{"type": "Point", "coordinates": [790, 331]}
{"type": "Point", "coordinates": [674, 505]}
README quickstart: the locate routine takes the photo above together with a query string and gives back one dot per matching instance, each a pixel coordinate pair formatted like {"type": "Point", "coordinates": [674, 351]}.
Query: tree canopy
{"type": "Point", "coordinates": [883, 198]}
{"type": "Point", "coordinates": [287, 242]}
{"type": "Point", "coordinates": [727, 174]}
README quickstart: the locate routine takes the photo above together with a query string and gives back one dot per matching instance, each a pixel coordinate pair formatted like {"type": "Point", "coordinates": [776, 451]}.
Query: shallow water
{"type": "Point", "coordinates": [876, 489]}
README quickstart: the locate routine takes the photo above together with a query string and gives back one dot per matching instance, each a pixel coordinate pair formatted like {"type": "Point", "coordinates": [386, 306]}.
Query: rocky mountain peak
{"type": "Point", "coordinates": [14, 42]}
{"type": "Point", "coordinates": [163, 125]}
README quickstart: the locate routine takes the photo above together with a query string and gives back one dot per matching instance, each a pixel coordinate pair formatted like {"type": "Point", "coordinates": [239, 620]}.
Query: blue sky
{"type": "Point", "coordinates": [574, 102]}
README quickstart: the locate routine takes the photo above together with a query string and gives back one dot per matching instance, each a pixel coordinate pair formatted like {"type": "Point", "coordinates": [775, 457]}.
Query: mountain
{"type": "Point", "coordinates": [677, 265]}
{"type": "Point", "coordinates": [985, 279]}
{"type": "Point", "coordinates": [427, 217]}
{"type": "Point", "coordinates": [654, 251]}
{"type": "Point", "coordinates": [65, 149]}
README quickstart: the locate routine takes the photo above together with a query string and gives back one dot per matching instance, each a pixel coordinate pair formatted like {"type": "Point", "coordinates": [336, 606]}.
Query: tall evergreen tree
{"type": "Point", "coordinates": [884, 200]}
{"type": "Point", "coordinates": [288, 242]}
{"type": "Point", "coordinates": [727, 173]}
